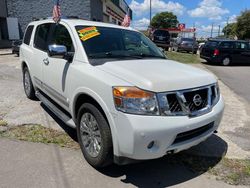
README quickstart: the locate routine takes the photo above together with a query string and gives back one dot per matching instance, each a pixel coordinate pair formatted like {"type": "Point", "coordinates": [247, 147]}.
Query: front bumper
{"type": "Point", "coordinates": [135, 133]}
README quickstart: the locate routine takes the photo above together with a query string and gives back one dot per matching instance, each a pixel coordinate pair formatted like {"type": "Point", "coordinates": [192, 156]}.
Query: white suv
{"type": "Point", "coordinates": [125, 98]}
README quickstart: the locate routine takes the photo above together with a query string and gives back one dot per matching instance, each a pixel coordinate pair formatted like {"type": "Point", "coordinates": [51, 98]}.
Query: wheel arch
{"type": "Point", "coordinates": [86, 95]}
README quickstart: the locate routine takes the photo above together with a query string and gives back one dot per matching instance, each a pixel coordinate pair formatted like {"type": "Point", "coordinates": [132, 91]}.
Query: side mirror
{"type": "Point", "coordinates": [57, 51]}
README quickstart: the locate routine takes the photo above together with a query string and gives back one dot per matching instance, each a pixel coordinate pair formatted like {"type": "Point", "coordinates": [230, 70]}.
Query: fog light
{"type": "Point", "coordinates": [151, 144]}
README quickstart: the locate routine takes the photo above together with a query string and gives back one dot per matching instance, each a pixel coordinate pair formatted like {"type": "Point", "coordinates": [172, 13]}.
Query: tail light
{"type": "Point", "coordinates": [216, 52]}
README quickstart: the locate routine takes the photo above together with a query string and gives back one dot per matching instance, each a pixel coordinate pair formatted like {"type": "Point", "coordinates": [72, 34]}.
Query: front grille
{"type": "Point", "coordinates": [174, 105]}
{"type": "Point", "coordinates": [193, 133]}
{"type": "Point", "coordinates": [192, 102]}
{"type": "Point", "coordinates": [190, 99]}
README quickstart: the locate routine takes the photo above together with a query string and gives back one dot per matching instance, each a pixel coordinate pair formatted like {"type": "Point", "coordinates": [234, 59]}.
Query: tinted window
{"type": "Point", "coordinates": [242, 45]}
{"type": "Point", "coordinates": [104, 42]}
{"type": "Point", "coordinates": [41, 36]}
{"type": "Point", "coordinates": [27, 35]}
{"type": "Point", "coordinates": [61, 36]}
{"type": "Point", "coordinates": [211, 44]}
{"type": "Point", "coordinates": [226, 45]}
{"type": "Point", "coordinates": [161, 33]}
{"type": "Point", "coordinates": [188, 39]}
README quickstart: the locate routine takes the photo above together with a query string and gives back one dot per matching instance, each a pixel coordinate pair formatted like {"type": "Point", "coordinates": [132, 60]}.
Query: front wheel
{"type": "Point", "coordinates": [27, 84]}
{"type": "Point", "coordinates": [94, 136]}
{"type": "Point", "coordinates": [226, 61]}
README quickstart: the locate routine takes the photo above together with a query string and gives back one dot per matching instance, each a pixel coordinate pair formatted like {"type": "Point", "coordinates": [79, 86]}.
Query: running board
{"type": "Point", "coordinates": [59, 113]}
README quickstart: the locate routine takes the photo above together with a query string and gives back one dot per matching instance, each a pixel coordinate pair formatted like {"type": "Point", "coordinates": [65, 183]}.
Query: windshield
{"type": "Point", "coordinates": [104, 42]}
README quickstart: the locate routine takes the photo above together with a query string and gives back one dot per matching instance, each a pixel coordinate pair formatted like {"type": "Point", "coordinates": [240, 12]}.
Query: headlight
{"type": "Point", "coordinates": [135, 101]}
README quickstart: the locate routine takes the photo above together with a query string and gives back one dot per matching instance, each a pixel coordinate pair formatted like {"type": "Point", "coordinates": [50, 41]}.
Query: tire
{"type": "Point", "coordinates": [195, 52]}
{"type": "Point", "coordinates": [226, 61]}
{"type": "Point", "coordinates": [27, 84]}
{"type": "Point", "coordinates": [94, 136]}
{"type": "Point", "coordinates": [177, 49]}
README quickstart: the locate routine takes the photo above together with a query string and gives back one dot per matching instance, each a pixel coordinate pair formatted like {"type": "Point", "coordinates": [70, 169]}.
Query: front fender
{"type": "Point", "coordinates": [108, 112]}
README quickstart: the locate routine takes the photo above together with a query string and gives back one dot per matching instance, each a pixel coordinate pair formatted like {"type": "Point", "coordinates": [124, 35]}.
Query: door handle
{"type": "Point", "coordinates": [46, 61]}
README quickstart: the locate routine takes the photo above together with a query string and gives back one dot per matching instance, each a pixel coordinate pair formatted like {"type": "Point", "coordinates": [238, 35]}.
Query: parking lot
{"type": "Point", "coordinates": [25, 164]}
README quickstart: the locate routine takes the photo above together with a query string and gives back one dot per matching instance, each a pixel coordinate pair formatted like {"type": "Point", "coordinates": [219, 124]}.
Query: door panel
{"type": "Point", "coordinates": [56, 69]}
{"type": "Point", "coordinates": [39, 49]}
{"type": "Point", "coordinates": [240, 50]}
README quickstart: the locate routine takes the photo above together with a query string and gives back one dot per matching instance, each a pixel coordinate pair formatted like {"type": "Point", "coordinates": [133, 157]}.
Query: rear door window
{"type": "Point", "coordinates": [41, 36]}
{"type": "Point", "coordinates": [27, 35]}
{"type": "Point", "coordinates": [242, 45]}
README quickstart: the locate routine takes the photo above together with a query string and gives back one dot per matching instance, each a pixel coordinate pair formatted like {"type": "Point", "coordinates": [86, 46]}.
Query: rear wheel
{"type": "Point", "coordinates": [27, 84]}
{"type": "Point", "coordinates": [94, 136]}
{"type": "Point", "coordinates": [226, 61]}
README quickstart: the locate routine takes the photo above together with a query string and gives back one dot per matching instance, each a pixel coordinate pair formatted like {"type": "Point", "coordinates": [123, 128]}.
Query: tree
{"type": "Point", "coordinates": [164, 20]}
{"type": "Point", "coordinates": [243, 25]}
{"type": "Point", "coordinates": [230, 30]}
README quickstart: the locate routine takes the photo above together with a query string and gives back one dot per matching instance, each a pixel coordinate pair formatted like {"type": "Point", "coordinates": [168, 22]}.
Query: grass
{"type": "Point", "coordinates": [234, 171]}
{"type": "Point", "coordinates": [183, 57]}
{"type": "Point", "coordinates": [231, 171]}
{"type": "Point", "coordinates": [38, 133]}
{"type": "Point", "coordinates": [3, 123]}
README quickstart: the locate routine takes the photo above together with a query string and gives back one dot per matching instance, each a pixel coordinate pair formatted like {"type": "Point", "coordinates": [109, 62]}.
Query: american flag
{"type": "Point", "coordinates": [126, 21]}
{"type": "Point", "coordinates": [56, 11]}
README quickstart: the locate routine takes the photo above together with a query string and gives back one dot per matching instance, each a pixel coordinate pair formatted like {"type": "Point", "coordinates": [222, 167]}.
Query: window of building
{"type": "Point", "coordinates": [41, 36]}
{"type": "Point", "coordinates": [27, 35]}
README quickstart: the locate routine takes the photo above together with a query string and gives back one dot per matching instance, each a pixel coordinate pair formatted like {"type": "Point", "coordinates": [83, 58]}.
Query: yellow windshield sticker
{"type": "Point", "coordinates": [88, 33]}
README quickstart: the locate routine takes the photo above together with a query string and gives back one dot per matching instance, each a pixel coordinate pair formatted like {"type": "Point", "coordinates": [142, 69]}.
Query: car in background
{"type": "Point", "coordinates": [201, 45]}
{"type": "Point", "coordinates": [226, 52]}
{"type": "Point", "coordinates": [185, 44]}
{"type": "Point", "coordinates": [16, 46]}
{"type": "Point", "coordinates": [161, 38]}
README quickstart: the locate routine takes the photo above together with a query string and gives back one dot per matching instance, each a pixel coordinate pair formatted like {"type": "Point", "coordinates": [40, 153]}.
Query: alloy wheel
{"type": "Point", "coordinates": [90, 134]}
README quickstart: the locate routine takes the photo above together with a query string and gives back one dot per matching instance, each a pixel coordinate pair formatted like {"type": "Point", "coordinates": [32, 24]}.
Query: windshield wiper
{"type": "Point", "coordinates": [114, 55]}
{"type": "Point", "coordinates": [110, 54]}
{"type": "Point", "coordinates": [153, 56]}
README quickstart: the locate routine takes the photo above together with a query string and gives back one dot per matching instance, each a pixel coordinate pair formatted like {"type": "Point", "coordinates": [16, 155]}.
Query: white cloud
{"type": "Point", "coordinates": [141, 24]}
{"type": "Point", "coordinates": [157, 6]}
{"type": "Point", "coordinates": [232, 19]}
{"type": "Point", "coordinates": [211, 9]}
{"type": "Point", "coordinates": [205, 30]}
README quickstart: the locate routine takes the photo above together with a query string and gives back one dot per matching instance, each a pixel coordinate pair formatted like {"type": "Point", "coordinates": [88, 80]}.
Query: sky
{"type": "Point", "coordinates": [201, 13]}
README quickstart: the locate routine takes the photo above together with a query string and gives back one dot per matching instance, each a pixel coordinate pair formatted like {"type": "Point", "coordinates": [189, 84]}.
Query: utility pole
{"type": "Point", "coordinates": [212, 30]}
{"type": "Point", "coordinates": [193, 38]}
{"type": "Point", "coordinates": [150, 11]}
{"type": "Point", "coordinates": [227, 27]}
{"type": "Point", "coordinates": [219, 31]}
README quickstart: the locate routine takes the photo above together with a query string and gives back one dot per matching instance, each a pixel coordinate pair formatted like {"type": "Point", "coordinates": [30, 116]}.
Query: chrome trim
{"type": "Point", "coordinates": [164, 105]}
{"type": "Point", "coordinates": [51, 92]}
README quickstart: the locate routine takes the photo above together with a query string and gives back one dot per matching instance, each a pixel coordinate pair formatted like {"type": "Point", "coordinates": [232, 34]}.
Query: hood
{"type": "Point", "coordinates": [158, 75]}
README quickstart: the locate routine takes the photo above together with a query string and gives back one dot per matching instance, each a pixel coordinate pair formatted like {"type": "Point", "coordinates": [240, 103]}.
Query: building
{"type": "Point", "coordinates": [16, 14]}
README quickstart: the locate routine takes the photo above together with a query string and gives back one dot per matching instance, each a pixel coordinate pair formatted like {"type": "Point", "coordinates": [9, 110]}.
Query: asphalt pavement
{"type": "Point", "coordinates": [237, 77]}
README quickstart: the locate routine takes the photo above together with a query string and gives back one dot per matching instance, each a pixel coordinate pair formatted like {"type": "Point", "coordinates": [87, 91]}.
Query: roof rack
{"type": "Point", "coordinates": [63, 17]}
